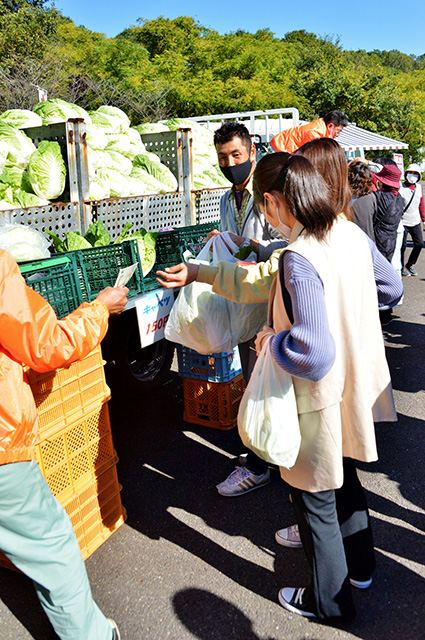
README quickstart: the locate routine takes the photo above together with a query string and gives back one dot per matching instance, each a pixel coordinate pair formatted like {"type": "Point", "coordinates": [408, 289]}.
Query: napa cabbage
{"type": "Point", "coordinates": [47, 170]}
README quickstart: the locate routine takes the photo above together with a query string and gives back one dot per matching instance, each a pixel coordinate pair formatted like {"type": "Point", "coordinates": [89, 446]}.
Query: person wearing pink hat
{"type": "Point", "coordinates": [389, 209]}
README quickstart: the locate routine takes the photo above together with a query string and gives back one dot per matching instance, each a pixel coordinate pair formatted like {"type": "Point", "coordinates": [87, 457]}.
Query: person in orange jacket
{"type": "Point", "coordinates": [330, 126]}
{"type": "Point", "coordinates": [35, 531]}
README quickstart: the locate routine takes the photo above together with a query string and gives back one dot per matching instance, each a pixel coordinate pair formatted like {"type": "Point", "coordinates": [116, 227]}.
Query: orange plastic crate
{"type": "Point", "coordinates": [65, 395]}
{"type": "Point", "coordinates": [78, 453]}
{"type": "Point", "coordinates": [213, 404]}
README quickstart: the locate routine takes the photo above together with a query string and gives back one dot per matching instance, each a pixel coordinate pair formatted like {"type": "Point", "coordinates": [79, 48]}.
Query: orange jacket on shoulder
{"type": "Point", "coordinates": [292, 139]}
{"type": "Point", "coordinates": [31, 334]}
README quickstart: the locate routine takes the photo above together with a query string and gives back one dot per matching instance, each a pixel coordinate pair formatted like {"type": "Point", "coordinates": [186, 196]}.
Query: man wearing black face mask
{"type": "Point", "coordinates": [236, 157]}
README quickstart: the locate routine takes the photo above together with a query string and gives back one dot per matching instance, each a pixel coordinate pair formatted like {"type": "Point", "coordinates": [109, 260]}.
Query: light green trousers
{"type": "Point", "coordinates": [37, 536]}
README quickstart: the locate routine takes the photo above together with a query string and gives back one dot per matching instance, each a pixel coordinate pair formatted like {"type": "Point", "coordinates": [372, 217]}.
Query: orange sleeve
{"type": "Point", "coordinates": [278, 142]}
{"type": "Point", "coordinates": [30, 331]}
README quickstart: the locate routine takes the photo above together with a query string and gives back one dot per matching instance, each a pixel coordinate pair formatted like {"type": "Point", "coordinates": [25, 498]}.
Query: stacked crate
{"type": "Point", "coordinates": [75, 451]}
{"type": "Point", "coordinates": [213, 386]}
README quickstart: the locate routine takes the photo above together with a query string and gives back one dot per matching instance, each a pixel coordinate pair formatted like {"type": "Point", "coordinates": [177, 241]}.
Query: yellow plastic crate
{"type": "Point", "coordinates": [78, 453]}
{"type": "Point", "coordinates": [67, 394]}
{"type": "Point", "coordinates": [213, 404]}
{"type": "Point", "coordinates": [95, 512]}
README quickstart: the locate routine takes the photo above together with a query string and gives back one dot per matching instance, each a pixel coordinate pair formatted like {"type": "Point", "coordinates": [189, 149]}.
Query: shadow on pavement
{"type": "Point", "coordinates": [209, 617]}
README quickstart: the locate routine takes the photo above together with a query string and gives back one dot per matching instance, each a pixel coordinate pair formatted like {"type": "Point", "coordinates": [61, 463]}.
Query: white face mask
{"type": "Point", "coordinates": [283, 229]}
{"type": "Point", "coordinates": [412, 177]}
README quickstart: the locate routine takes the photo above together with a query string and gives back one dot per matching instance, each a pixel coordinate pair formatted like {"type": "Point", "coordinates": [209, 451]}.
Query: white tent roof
{"type": "Point", "coordinates": [354, 138]}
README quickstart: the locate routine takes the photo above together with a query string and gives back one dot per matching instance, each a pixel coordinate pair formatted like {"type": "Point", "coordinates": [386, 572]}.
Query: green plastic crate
{"type": "Point", "coordinates": [98, 267]}
{"type": "Point", "coordinates": [194, 238]}
{"type": "Point", "coordinates": [57, 280]}
{"type": "Point", "coordinates": [168, 253]}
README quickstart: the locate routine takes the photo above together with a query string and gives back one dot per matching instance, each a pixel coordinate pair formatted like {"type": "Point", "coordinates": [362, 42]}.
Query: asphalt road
{"type": "Point", "coordinates": [189, 564]}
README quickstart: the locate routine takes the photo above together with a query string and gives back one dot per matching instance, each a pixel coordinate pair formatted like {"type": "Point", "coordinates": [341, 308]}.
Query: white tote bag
{"type": "Point", "coordinates": [207, 322]}
{"type": "Point", "coordinates": [268, 418]}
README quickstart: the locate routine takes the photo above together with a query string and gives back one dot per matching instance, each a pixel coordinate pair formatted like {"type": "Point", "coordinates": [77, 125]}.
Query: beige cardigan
{"type": "Point", "coordinates": [337, 413]}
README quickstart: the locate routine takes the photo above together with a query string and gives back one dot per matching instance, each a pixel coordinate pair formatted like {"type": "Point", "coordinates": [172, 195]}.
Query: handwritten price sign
{"type": "Point", "coordinates": [153, 310]}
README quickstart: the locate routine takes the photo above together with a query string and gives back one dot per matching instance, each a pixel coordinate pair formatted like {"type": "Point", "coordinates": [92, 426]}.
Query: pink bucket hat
{"type": "Point", "coordinates": [389, 175]}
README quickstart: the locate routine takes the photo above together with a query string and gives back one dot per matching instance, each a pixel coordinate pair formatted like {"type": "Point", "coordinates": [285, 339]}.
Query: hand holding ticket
{"type": "Point", "coordinates": [124, 275]}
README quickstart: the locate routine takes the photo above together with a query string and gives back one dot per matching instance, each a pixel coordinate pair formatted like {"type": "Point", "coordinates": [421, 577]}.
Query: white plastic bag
{"type": "Point", "coordinates": [268, 419]}
{"type": "Point", "coordinates": [207, 322]}
{"type": "Point", "coordinates": [22, 241]}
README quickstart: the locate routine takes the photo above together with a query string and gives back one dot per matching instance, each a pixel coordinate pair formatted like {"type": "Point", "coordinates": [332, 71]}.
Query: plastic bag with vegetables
{"type": "Point", "coordinates": [23, 242]}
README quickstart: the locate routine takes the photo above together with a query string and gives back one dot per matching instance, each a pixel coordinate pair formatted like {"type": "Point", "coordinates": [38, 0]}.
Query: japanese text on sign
{"type": "Point", "coordinates": [153, 311]}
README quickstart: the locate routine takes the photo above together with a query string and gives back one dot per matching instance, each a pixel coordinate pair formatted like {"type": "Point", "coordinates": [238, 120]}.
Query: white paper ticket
{"type": "Point", "coordinates": [124, 275]}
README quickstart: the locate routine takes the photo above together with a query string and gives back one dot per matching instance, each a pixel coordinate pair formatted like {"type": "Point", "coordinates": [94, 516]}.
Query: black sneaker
{"type": "Point", "coordinates": [291, 598]}
{"type": "Point", "coordinates": [411, 269]}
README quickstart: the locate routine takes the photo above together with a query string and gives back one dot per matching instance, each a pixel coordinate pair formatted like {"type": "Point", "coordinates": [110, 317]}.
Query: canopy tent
{"type": "Point", "coordinates": [354, 138]}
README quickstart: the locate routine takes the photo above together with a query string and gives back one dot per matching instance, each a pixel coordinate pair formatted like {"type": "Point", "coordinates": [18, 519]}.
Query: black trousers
{"type": "Point", "coordinates": [337, 538]}
{"type": "Point", "coordinates": [416, 235]}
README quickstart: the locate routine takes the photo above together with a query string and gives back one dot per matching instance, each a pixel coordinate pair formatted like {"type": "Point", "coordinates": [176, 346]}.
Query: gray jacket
{"type": "Point", "coordinates": [254, 226]}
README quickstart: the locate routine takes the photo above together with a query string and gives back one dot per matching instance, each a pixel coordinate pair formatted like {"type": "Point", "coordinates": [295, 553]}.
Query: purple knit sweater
{"type": "Point", "coordinates": [307, 350]}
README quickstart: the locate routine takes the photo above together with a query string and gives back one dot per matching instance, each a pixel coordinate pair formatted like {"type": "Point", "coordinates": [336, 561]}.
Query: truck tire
{"type": "Point", "coordinates": [129, 369]}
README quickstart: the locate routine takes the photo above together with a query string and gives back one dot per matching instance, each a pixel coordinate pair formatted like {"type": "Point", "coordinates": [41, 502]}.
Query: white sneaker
{"type": "Point", "coordinates": [115, 629]}
{"type": "Point", "coordinates": [289, 537]}
{"type": "Point", "coordinates": [241, 481]}
{"type": "Point", "coordinates": [361, 584]}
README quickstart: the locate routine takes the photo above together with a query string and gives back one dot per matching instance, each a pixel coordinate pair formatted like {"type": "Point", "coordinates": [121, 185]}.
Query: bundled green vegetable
{"type": "Point", "coordinates": [19, 146]}
{"type": "Point", "coordinates": [57, 110]}
{"type": "Point", "coordinates": [47, 170]}
{"type": "Point", "coordinates": [159, 171]}
{"type": "Point", "coordinates": [21, 118]}
{"type": "Point", "coordinates": [151, 127]}
{"type": "Point", "coordinates": [73, 240]}
{"type": "Point", "coordinates": [146, 241]}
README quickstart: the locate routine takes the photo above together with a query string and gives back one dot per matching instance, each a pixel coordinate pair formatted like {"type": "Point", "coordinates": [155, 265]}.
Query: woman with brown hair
{"type": "Point", "coordinates": [325, 331]}
{"type": "Point", "coordinates": [363, 204]}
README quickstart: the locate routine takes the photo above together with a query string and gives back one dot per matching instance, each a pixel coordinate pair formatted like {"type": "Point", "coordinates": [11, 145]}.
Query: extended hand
{"type": "Point", "coordinates": [178, 276]}
{"type": "Point", "coordinates": [212, 234]}
{"type": "Point", "coordinates": [114, 299]}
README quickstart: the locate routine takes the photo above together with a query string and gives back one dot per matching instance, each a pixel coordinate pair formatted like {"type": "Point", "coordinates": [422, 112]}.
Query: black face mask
{"type": "Point", "coordinates": [238, 173]}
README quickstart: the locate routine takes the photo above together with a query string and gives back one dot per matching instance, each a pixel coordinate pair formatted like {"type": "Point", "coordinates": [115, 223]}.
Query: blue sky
{"type": "Point", "coordinates": [362, 24]}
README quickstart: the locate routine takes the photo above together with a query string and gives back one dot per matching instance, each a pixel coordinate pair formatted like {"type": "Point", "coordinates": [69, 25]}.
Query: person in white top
{"type": "Point", "coordinates": [413, 217]}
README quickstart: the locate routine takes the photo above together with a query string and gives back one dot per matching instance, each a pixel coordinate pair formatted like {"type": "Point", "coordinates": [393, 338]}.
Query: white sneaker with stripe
{"type": "Point", "coordinates": [241, 481]}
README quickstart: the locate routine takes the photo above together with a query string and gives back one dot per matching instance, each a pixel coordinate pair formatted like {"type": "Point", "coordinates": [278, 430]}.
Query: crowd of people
{"type": "Point", "coordinates": [330, 289]}
{"type": "Point", "coordinates": [326, 280]}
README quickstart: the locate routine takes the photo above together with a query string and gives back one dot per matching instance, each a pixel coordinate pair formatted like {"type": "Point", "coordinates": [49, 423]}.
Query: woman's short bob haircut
{"type": "Point", "coordinates": [302, 187]}
{"type": "Point", "coordinates": [327, 156]}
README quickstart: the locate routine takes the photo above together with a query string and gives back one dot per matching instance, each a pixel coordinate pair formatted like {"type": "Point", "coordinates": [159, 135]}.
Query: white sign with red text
{"type": "Point", "coordinates": [153, 310]}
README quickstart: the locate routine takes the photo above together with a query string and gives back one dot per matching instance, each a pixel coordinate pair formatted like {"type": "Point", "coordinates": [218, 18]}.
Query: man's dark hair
{"type": "Point", "coordinates": [337, 118]}
{"type": "Point", "coordinates": [232, 129]}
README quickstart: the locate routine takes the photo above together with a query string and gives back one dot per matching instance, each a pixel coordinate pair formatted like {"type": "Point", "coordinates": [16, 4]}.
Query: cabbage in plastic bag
{"type": "Point", "coordinates": [23, 242]}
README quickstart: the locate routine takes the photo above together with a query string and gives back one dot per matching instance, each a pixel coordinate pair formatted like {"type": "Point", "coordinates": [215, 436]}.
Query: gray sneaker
{"type": "Point", "coordinates": [404, 272]}
{"type": "Point", "coordinates": [241, 481]}
{"type": "Point", "coordinates": [289, 537]}
{"type": "Point", "coordinates": [411, 269]}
